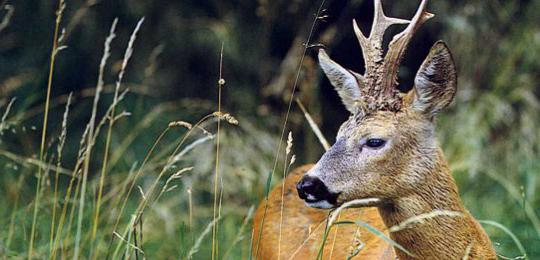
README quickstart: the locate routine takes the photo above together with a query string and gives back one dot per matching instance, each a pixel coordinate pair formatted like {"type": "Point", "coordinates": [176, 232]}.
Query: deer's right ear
{"type": "Point", "coordinates": [343, 80]}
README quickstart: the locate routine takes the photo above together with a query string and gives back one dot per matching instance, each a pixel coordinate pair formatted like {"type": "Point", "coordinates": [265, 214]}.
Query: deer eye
{"type": "Point", "coordinates": [375, 143]}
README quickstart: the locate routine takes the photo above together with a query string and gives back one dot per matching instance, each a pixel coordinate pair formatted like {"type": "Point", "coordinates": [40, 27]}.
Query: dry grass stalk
{"type": "Point", "coordinates": [3, 121]}
{"type": "Point", "coordinates": [310, 236]}
{"type": "Point", "coordinates": [219, 115]}
{"type": "Point", "coordinates": [31, 162]}
{"type": "Point", "coordinates": [59, 149]}
{"type": "Point", "coordinates": [99, 88]}
{"type": "Point", "coordinates": [195, 248]}
{"type": "Point", "coordinates": [181, 123]}
{"type": "Point", "coordinates": [143, 204]}
{"type": "Point", "coordinates": [316, 130]}
{"type": "Point", "coordinates": [419, 219]}
{"type": "Point", "coordinates": [112, 117]}
{"type": "Point", "coordinates": [356, 244]}
{"type": "Point", "coordinates": [286, 119]}
{"type": "Point", "coordinates": [10, 9]}
{"type": "Point", "coordinates": [285, 169]}
{"type": "Point", "coordinates": [85, 145]}
{"type": "Point", "coordinates": [239, 237]}
{"type": "Point", "coordinates": [467, 251]}
{"type": "Point", "coordinates": [226, 116]}
{"type": "Point", "coordinates": [92, 135]}
{"type": "Point", "coordinates": [54, 52]}
{"type": "Point", "coordinates": [190, 205]}
{"type": "Point", "coordinates": [129, 243]}
{"type": "Point", "coordinates": [176, 175]}
{"type": "Point", "coordinates": [188, 148]}
{"type": "Point", "coordinates": [351, 204]}
{"type": "Point", "coordinates": [189, 126]}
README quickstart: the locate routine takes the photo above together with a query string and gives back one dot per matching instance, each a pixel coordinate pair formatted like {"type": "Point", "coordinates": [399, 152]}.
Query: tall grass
{"type": "Point", "coordinates": [126, 191]}
{"type": "Point", "coordinates": [54, 52]}
{"type": "Point", "coordinates": [286, 117]}
{"type": "Point", "coordinates": [217, 197]}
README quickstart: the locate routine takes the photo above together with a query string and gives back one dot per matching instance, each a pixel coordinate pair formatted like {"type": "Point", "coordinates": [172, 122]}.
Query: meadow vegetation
{"type": "Point", "coordinates": [111, 112]}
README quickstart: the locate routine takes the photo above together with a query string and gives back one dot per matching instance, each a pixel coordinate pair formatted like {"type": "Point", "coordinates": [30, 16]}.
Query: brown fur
{"type": "Point", "coordinates": [410, 176]}
{"type": "Point", "coordinates": [442, 237]}
{"type": "Point", "coordinates": [437, 238]}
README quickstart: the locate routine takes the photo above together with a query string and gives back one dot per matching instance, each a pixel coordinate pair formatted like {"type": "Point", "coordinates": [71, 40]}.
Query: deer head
{"type": "Point", "coordinates": [387, 147]}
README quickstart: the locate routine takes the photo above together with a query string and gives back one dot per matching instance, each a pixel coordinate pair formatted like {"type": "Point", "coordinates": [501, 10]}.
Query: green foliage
{"type": "Point", "coordinates": [491, 135]}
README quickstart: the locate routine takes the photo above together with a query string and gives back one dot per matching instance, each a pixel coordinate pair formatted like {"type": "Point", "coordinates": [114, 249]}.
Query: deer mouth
{"type": "Point", "coordinates": [329, 202]}
{"type": "Point", "coordinates": [321, 204]}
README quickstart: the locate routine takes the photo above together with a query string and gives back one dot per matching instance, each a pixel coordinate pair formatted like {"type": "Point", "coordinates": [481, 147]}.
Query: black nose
{"type": "Point", "coordinates": [312, 189]}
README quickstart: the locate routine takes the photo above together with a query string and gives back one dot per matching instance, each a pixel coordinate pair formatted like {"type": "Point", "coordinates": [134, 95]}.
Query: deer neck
{"type": "Point", "coordinates": [441, 233]}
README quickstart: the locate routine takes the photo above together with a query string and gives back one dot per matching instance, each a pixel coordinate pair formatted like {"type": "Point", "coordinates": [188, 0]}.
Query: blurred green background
{"type": "Point", "coordinates": [490, 135]}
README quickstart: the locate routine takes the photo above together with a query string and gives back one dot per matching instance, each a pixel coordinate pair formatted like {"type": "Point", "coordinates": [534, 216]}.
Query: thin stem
{"type": "Point", "coordinates": [54, 51]}
{"type": "Point", "coordinates": [106, 54]}
{"type": "Point", "coordinates": [124, 203]}
{"type": "Point", "coordinates": [291, 98]}
{"type": "Point", "coordinates": [142, 205]}
{"type": "Point", "coordinates": [216, 175]}
{"type": "Point", "coordinates": [14, 211]}
{"type": "Point", "coordinates": [60, 148]}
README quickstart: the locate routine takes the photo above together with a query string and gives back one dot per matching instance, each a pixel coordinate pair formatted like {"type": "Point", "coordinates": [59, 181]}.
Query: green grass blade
{"type": "Point", "coordinates": [509, 233]}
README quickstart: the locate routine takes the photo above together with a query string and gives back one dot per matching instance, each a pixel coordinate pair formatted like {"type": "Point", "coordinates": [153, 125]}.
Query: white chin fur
{"type": "Point", "coordinates": [322, 204]}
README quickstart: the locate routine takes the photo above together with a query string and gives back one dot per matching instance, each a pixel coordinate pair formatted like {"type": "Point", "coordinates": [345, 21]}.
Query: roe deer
{"type": "Point", "coordinates": [386, 152]}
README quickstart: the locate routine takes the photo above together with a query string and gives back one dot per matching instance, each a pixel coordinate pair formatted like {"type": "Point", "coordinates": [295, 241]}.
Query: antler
{"type": "Point", "coordinates": [380, 78]}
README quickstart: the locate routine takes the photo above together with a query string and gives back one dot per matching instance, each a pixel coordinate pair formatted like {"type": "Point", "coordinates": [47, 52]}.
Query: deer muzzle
{"type": "Point", "coordinates": [315, 193]}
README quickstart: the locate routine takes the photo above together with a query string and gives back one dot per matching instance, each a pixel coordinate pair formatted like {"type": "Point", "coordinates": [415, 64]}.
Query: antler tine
{"type": "Point", "coordinates": [379, 81]}
{"type": "Point", "coordinates": [399, 43]}
{"type": "Point", "coordinates": [372, 46]}
{"type": "Point", "coordinates": [382, 22]}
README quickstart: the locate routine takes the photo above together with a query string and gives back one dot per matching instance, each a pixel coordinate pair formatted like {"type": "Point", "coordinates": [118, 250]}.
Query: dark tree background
{"type": "Point", "coordinates": [491, 135]}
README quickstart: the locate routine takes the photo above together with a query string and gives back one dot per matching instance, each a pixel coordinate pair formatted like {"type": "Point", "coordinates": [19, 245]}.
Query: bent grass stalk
{"type": "Point", "coordinates": [369, 228]}
{"type": "Point", "coordinates": [143, 204]}
{"type": "Point", "coordinates": [121, 148]}
{"type": "Point", "coordinates": [146, 159]}
{"type": "Point", "coordinates": [509, 233]}
{"type": "Point", "coordinates": [333, 215]}
{"type": "Point", "coordinates": [54, 52]}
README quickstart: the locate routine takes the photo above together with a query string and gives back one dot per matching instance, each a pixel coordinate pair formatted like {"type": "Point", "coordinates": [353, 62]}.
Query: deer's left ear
{"type": "Point", "coordinates": [435, 83]}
